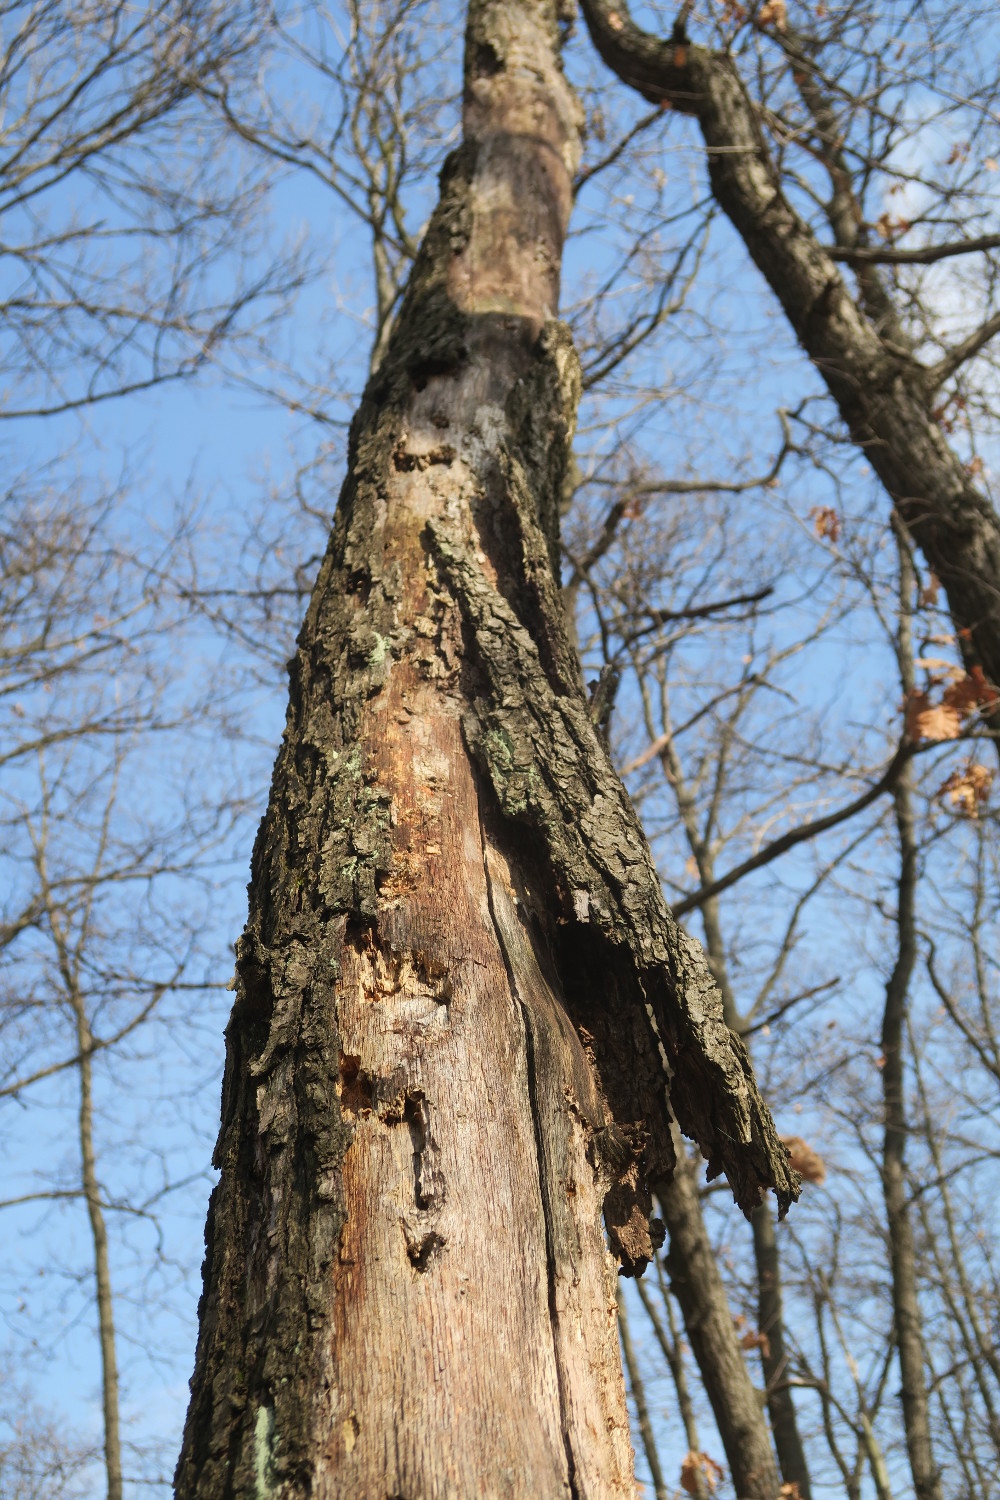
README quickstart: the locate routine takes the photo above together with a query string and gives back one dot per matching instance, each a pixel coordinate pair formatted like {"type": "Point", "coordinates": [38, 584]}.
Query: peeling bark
{"type": "Point", "coordinates": [459, 993]}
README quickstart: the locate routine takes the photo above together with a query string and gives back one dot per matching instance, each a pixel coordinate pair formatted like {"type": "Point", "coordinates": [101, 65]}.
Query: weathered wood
{"type": "Point", "coordinates": [459, 992]}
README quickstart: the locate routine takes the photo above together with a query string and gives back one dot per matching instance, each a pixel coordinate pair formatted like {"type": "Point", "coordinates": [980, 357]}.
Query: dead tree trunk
{"type": "Point", "coordinates": [459, 994]}
{"type": "Point", "coordinates": [884, 395]}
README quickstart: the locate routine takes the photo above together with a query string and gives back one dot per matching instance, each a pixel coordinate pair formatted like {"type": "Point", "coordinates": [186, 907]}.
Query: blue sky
{"type": "Point", "coordinates": [225, 448]}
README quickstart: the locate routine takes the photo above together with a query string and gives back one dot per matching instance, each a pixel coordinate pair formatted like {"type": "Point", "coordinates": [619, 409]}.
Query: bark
{"type": "Point", "coordinates": [883, 394]}
{"type": "Point", "coordinates": [459, 992]}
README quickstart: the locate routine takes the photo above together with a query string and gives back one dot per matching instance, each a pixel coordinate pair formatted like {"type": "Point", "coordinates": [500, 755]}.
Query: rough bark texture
{"type": "Point", "coordinates": [884, 396]}
{"type": "Point", "coordinates": [459, 993]}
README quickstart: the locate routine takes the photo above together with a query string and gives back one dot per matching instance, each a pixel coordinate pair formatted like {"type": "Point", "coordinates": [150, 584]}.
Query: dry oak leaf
{"type": "Point", "coordinates": [888, 227]}
{"type": "Point", "coordinates": [963, 693]}
{"type": "Point", "coordinates": [773, 10]}
{"type": "Point", "coordinates": [699, 1466]}
{"type": "Point", "coordinates": [986, 694]}
{"type": "Point", "coordinates": [940, 665]}
{"type": "Point", "coordinates": [754, 1340]}
{"type": "Point", "coordinates": [826, 522]}
{"type": "Point", "coordinates": [790, 1491]}
{"type": "Point", "coordinates": [967, 787]}
{"type": "Point", "coordinates": [929, 592]}
{"type": "Point", "coordinates": [924, 720]}
{"type": "Point", "coordinates": [801, 1156]}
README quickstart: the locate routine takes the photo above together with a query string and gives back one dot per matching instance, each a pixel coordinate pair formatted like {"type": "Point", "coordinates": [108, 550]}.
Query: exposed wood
{"type": "Point", "coordinates": [460, 996]}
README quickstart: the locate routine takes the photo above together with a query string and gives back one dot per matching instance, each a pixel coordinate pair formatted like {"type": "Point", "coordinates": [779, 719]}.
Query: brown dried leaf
{"type": "Point", "coordinates": [939, 664]}
{"type": "Point", "coordinates": [775, 11]}
{"type": "Point", "coordinates": [807, 1162]}
{"type": "Point", "coordinates": [754, 1340]}
{"type": "Point", "coordinates": [826, 522]}
{"type": "Point", "coordinates": [988, 695]}
{"type": "Point", "coordinates": [790, 1491]}
{"type": "Point", "coordinates": [970, 692]}
{"type": "Point", "coordinates": [966, 788]}
{"type": "Point", "coordinates": [962, 695]}
{"type": "Point", "coordinates": [929, 592]}
{"type": "Point", "coordinates": [924, 720]}
{"type": "Point", "coordinates": [699, 1466]}
{"type": "Point", "coordinates": [889, 228]}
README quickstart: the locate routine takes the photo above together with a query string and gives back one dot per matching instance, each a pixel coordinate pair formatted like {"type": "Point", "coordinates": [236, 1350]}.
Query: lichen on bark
{"type": "Point", "coordinates": [460, 997]}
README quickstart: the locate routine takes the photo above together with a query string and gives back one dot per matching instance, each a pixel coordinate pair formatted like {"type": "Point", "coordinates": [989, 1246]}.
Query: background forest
{"type": "Point", "coordinates": [209, 211]}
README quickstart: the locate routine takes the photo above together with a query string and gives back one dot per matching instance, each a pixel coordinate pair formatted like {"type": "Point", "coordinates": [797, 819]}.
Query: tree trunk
{"type": "Point", "coordinates": [99, 1236]}
{"type": "Point", "coordinates": [68, 961]}
{"type": "Point", "coordinates": [902, 1252]}
{"type": "Point", "coordinates": [774, 1355]}
{"type": "Point", "coordinates": [459, 994]}
{"type": "Point", "coordinates": [884, 396]}
{"type": "Point", "coordinates": [697, 1284]}
{"type": "Point", "coordinates": [705, 1306]}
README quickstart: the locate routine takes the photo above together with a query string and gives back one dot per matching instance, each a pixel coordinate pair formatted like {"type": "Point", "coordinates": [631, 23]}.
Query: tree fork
{"type": "Point", "coordinates": [459, 993]}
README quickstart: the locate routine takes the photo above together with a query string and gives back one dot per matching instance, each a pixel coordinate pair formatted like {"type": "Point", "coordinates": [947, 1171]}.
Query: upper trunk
{"type": "Point", "coordinates": [459, 994]}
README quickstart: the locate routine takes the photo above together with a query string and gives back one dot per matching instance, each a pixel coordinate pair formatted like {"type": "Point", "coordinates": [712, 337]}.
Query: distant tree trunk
{"type": "Point", "coordinates": [72, 995]}
{"type": "Point", "coordinates": [884, 395]}
{"type": "Point", "coordinates": [899, 1218]}
{"type": "Point", "coordinates": [696, 1279]}
{"type": "Point", "coordinates": [774, 1355]}
{"type": "Point", "coordinates": [102, 1265]}
{"type": "Point", "coordinates": [459, 994]}
{"type": "Point", "coordinates": [696, 1282]}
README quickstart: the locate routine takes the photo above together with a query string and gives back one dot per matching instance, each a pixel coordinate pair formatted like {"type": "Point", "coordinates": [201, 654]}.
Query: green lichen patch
{"type": "Point", "coordinates": [265, 1477]}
